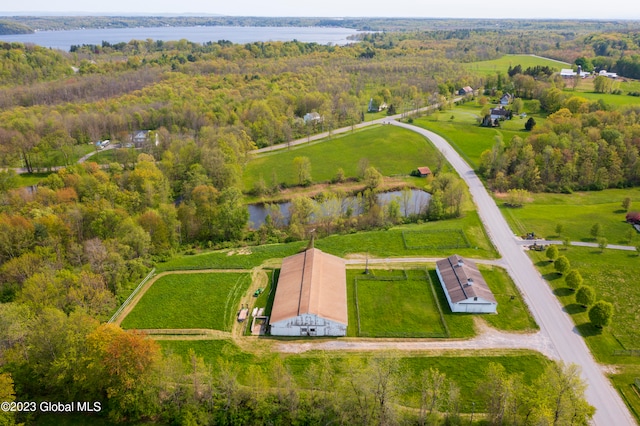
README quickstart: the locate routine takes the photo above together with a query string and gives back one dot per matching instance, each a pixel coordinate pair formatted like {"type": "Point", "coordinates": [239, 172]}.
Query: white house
{"type": "Point", "coordinates": [464, 286]}
{"type": "Point", "coordinates": [604, 73]}
{"type": "Point", "coordinates": [568, 73]}
{"type": "Point", "coordinates": [506, 99]}
{"type": "Point", "coordinates": [311, 296]}
{"type": "Point", "coordinates": [312, 117]}
{"type": "Point", "coordinates": [499, 113]}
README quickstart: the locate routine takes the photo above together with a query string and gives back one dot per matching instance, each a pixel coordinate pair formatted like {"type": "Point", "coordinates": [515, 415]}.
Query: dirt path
{"type": "Point", "coordinates": [487, 338]}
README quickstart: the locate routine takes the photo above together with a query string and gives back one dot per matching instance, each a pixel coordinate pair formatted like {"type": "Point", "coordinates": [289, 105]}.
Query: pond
{"type": "Point", "coordinates": [412, 202]}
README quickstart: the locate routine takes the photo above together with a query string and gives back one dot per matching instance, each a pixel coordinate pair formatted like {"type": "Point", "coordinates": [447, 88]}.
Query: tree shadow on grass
{"type": "Point", "coordinates": [552, 276]}
{"type": "Point", "coordinates": [563, 291]}
{"type": "Point", "coordinates": [619, 211]}
{"type": "Point", "coordinates": [587, 330]}
{"type": "Point", "coordinates": [573, 308]}
{"type": "Point", "coordinates": [542, 263]}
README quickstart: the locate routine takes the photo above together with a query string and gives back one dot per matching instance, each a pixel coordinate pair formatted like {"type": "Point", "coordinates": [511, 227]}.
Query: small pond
{"type": "Point", "coordinates": [411, 202]}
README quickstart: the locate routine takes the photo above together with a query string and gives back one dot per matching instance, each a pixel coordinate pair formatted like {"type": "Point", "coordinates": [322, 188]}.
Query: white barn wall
{"type": "Point", "coordinates": [294, 326]}
{"type": "Point", "coordinates": [479, 306]}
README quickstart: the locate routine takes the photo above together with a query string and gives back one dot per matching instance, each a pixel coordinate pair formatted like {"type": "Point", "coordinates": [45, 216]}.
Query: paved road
{"type": "Point", "coordinates": [326, 135]}
{"type": "Point", "coordinates": [553, 321]}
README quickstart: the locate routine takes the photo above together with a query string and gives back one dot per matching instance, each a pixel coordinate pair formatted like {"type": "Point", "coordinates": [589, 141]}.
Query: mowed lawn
{"type": "Point", "coordinates": [381, 243]}
{"type": "Point", "coordinates": [577, 213]}
{"type": "Point", "coordinates": [392, 150]}
{"type": "Point", "coordinates": [513, 314]}
{"type": "Point", "coordinates": [502, 64]}
{"type": "Point", "coordinates": [405, 307]}
{"type": "Point", "coordinates": [200, 300]}
{"type": "Point", "coordinates": [465, 134]}
{"type": "Point", "coordinates": [614, 276]}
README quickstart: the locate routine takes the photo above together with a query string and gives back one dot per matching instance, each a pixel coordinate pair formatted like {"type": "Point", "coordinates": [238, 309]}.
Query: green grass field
{"type": "Point", "coordinates": [396, 305]}
{"type": "Point", "coordinates": [503, 64]}
{"type": "Point", "coordinates": [625, 383]}
{"type": "Point", "coordinates": [465, 134]}
{"type": "Point", "coordinates": [386, 311]}
{"type": "Point", "coordinates": [381, 243]}
{"type": "Point", "coordinates": [190, 301]}
{"type": "Point", "coordinates": [613, 274]}
{"type": "Point", "coordinates": [513, 314]}
{"type": "Point", "coordinates": [610, 274]}
{"type": "Point", "coordinates": [29, 179]}
{"type": "Point", "coordinates": [409, 149]}
{"type": "Point", "coordinates": [577, 213]}
{"type": "Point", "coordinates": [585, 89]}
{"type": "Point", "coordinates": [530, 364]}
{"type": "Point", "coordinates": [435, 239]}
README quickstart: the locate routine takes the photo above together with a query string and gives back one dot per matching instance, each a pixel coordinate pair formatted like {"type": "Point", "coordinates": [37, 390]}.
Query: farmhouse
{"type": "Point", "coordinates": [567, 73]}
{"type": "Point", "coordinates": [506, 99]}
{"type": "Point", "coordinates": [466, 90]}
{"type": "Point", "coordinates": [312, 118]}
{"type": "Point", "coordinates": [464, 286]}
{"type": "Point", "coordinates": [500, 113]}
{"type": "Point", "coordinates": [311, 296]}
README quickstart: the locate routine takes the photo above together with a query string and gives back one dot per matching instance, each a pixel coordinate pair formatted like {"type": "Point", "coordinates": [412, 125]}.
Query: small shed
{"type": "Point", "coordinates": [466, 90]}
{"type": "Point", "coordinates": [464, 286]}
{"type": "Point", "coordinates": [424, 171]}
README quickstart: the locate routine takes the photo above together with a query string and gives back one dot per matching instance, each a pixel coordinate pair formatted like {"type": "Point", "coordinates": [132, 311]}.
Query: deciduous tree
{"type": "Point", "coordinates": [600, 313]}
{"type": "Point", "coordinates": [573, 279]}
{"type": "Point", "coordinates": [562, 264]}
{"type": "Point", "coordinates": [552, 252]}
{"type": "Point", "coordinates": [302, 167]}
{"type": "Point", "coordinates": [585, 296]}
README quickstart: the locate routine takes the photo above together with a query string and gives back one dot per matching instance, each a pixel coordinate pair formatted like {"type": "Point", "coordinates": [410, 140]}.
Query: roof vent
{"type": "Point", "coordinates": [470, 282]}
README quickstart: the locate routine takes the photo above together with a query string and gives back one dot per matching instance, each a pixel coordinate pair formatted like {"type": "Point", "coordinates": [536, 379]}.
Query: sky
{"type": "Point", "coordinates": [622, 9]}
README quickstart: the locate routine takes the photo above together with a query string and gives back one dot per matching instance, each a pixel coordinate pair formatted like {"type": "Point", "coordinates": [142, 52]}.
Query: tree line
{"type": "Point", "coordinates": [133, 381]}
{"type": "Point", "coordinates": [575, 149]}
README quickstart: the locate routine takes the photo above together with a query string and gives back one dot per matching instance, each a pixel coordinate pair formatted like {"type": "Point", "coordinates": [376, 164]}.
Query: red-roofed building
{"type": "Point", "coordinates": [424, 171]}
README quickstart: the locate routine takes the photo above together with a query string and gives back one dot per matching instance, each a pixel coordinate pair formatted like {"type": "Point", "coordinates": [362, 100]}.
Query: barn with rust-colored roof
{"type": "Point", "coordinates": [464, 286]}
{"type": "Point", "coordinates": [311, 296]}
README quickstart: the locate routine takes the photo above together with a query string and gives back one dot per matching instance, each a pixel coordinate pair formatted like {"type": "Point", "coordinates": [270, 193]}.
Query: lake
{"type": "Point", "coordinates": [415, 204]}
{"type": "Point", "coordinates": [64, 39]}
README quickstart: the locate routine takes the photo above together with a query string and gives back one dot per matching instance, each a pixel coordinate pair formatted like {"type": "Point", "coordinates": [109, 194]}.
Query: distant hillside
{"type": "Point", "coordinates": [8, 28]}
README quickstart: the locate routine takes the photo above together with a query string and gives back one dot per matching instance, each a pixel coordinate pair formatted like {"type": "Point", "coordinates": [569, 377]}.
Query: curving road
{"type": "Point", "coordinates": [553, 321]}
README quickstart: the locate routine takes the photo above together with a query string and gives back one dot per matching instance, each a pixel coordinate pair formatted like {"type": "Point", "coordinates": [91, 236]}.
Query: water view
{"type": "Point", "coordinates": [413, 202]}
{"type": "Point", "coordinates": [65, 39]}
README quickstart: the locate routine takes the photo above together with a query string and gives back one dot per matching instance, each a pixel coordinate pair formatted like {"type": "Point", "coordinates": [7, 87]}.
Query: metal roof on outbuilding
{"type": "Point", "coordinates": [311, 282]}
{"type": "Point", "coordinates": [463, 280]}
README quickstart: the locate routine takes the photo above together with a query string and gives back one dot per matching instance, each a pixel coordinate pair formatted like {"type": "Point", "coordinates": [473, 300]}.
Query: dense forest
{"type": "Point", "coordinates": [56, 23]}
{"type": "Point", "coordinates": [72, 249]}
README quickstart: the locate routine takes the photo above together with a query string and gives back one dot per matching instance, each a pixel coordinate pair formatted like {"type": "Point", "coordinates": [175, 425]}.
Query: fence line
{"type": "Point", "coordinates": [357, 304]}
{"type": "Point", "coordinates": [131, 296]}
{"type": "Point", "coordinates": [629, 352]}
{"type": "Point", "coordinates": [437, 300]}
